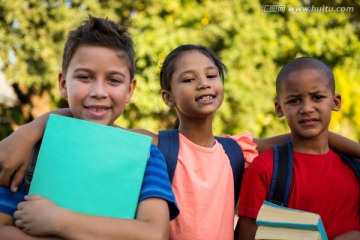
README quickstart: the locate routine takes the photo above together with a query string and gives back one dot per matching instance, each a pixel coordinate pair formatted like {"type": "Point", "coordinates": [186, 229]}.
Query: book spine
{"type": "Point", "coordinates": [288, 225]}
{"type": "Point", "coordinates": [321, 230]}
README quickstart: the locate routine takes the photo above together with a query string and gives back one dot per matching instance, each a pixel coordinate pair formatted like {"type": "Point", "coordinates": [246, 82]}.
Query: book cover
{"type": "Point", "coordinates": [91, 168]}
{"type": "Point", "coordinates": [275, 216]}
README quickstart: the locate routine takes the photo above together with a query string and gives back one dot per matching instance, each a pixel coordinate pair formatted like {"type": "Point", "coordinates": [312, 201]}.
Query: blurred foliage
{"type": "Point", "coordinates": [253, 42]}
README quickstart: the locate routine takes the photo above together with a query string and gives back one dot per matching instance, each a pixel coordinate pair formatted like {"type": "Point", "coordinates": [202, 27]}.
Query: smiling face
{"type": "Point", "coordinates": [97, 84]}
{"type": "Point", "coordinates": [306, 99]}
{"type": "Point", "coordinates": [196, 87]}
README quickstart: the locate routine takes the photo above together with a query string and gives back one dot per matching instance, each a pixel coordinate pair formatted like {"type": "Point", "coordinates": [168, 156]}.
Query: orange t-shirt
{"type": "Point", "coordinates": [204, 190]}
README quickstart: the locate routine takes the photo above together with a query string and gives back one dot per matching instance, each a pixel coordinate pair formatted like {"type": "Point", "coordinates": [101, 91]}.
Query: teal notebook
{"type": "Point", "coordinates": [91, 168]}
{"type": "Point", "coordinates": [272, 215]}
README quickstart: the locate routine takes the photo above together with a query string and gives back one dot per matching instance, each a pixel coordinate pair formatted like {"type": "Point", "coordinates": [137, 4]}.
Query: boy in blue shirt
{"type": "Point", "coordinates": [97, 79]}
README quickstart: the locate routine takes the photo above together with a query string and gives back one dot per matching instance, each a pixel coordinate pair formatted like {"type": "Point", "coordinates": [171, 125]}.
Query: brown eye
{"type": "Point", "coordinates": [83, 77]}
{"type": "Point", "coordinates": [188, 79]}
{"type": "Point", "coordinates": [212, 76]}
{"type": "Point", "coordinates": [293, 101]}
{"type": "Point", "coordinates": [114, 81]}
{"type": "Point", "coordinates": [318, 97]}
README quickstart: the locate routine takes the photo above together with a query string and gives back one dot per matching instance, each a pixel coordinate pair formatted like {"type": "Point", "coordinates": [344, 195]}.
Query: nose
{"type": "Point", "coordinates": [98, 89]}
{"type": "Point", "coordinates": [307, 107]}
{"type": "Point", "coordinates": [203, 84]}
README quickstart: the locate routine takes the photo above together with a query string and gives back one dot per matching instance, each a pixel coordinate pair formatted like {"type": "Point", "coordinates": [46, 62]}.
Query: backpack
{"type": "Point", "coordinates": [283, 170]}
{"type": "Point", "coordinates": [30, 172]}
{"type": "Point", "coordinates": [169, 146]}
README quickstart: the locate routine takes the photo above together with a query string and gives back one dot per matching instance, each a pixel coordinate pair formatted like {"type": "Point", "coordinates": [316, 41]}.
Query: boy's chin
{"type": "Point", "coordinates": [310, 134]}
{"type": "Point", "coordinates": [101, 121]}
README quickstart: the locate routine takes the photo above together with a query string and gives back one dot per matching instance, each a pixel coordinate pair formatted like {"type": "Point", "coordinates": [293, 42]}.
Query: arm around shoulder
{"type": "Point", "coordinates": [336, 141]}
{"type": "Point", "coordinates": [267, 143]}
{"type": "Point", "coordinates": [345, 145]}
{"type": "Point", "coordinates": [15, 157]}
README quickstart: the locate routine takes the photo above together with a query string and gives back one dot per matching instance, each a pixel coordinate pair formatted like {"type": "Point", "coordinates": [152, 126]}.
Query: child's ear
{"type": "Point", "coordinates": [168, 98]}
{"type": "Point", "coordinates": [62, 85]}
{"type": "Point", "coordinates": [278, 110]}
{"type": "Point", "coordinates": [337, 102]}
{"type": "Point", "coordinates": [132, 87]}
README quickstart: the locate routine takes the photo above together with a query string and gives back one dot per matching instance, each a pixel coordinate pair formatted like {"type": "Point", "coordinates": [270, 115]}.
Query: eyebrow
{"type": "Point", "coordinates": [83, 70]}
{"type": "Point", "coordinates": [292, 96]}
{"type": "Point", "coordinates": [92, 72]}
{"type": "Point", "coordinates": [318, 91]}
{"type": "Point", "coordinates": [191, 70]}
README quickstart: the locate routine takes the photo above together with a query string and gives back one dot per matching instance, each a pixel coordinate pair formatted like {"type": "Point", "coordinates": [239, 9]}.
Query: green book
{"type": "Point", "coordinates": [91, 168]}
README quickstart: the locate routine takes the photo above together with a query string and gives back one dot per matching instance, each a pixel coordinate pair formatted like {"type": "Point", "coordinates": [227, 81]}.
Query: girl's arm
{"type": "Point", "coordinates": [39, 216]}
{"type": "Point", "coordinates": [16, 149]}
{"type": "Point", "coordinates": [267, 143]}
{"type": "Point", "coordinates": [336, 141]}
{"type": "Point", "coordinates": [344, 145]}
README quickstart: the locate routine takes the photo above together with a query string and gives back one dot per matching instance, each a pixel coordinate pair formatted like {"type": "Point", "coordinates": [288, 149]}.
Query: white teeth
{"type": "Point", "coordinates": [206, 98]}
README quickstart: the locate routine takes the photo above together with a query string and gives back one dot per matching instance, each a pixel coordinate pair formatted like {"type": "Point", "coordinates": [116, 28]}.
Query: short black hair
{"type": "Point", "coordinates": [100, 32]}
{"type": "Point", "coordinates": [305, 63]}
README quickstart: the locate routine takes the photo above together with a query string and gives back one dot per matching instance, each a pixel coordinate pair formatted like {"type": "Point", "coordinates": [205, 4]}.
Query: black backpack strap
{"type": "Point", "coordinates": [169, 145]}
{"type": "Point", "coordinates": [30, 172]}
{"type": "Point", "coordinates": [282, 174]}
{"type": "Point", "coordinates": [236, 157]}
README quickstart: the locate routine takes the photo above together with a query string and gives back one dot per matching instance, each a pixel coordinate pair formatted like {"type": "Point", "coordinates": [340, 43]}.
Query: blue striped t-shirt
{"type": "Point", "coordinates": [156, 181]}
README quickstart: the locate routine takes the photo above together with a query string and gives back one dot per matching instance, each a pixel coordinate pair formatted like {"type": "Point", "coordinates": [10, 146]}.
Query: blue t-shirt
{"type": "Point", "coordinates": [10, 200]}
{"type": "Point", "coordinates": [156, 181]}
{"type": "Point", "coordinates": [155, 184]}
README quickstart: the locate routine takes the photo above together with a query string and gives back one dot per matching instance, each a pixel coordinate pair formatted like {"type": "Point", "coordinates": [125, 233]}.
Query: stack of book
{"type": "Point", "coordinates": [277, 222]}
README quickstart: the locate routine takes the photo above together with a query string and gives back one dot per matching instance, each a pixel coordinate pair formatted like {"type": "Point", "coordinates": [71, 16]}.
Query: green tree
{"type": "Point", "coordinates": [252, 42]}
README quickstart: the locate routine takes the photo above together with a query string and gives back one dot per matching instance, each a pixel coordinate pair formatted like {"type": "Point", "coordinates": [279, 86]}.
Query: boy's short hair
{"type": "Point", "coordinates": [99, 32]}
{"type": "Point", "coordinates": [305, 63]}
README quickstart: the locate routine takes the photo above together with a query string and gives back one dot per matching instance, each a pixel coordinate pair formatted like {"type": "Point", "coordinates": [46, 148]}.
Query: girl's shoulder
{"type": "Point", "coordinates": [248, 146]}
